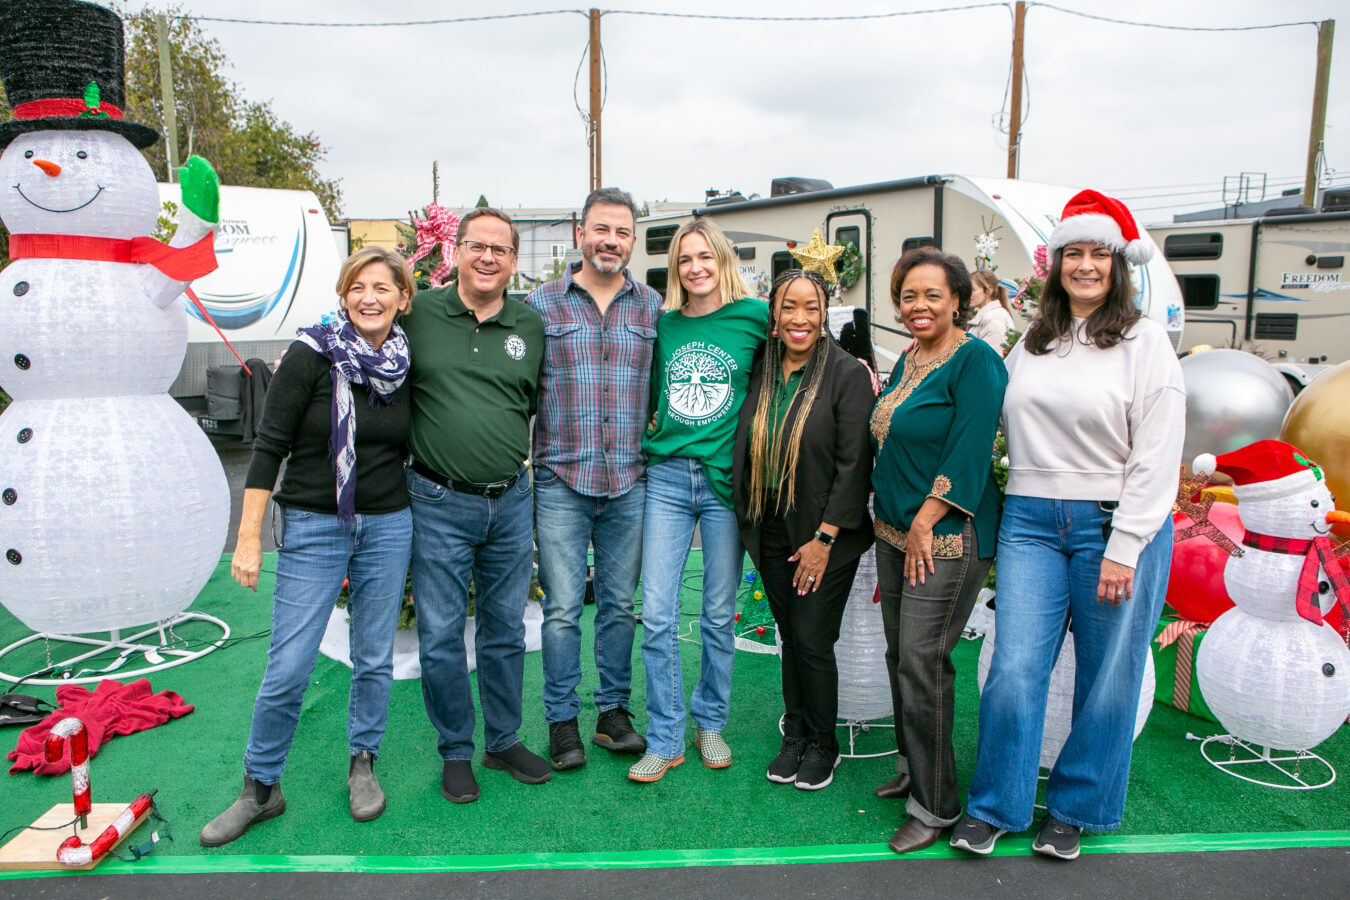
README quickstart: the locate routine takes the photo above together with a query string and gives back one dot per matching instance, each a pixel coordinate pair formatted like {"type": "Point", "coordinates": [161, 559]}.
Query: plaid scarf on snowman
{"type": "Point", "coordinates": [355, 362]}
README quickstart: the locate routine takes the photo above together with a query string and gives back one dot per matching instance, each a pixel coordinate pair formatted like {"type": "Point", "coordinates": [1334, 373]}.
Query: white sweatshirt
{"type": "Point", "coordinates": [1089, 424]}
{"type": "Point", "coordinates": [991, 324]}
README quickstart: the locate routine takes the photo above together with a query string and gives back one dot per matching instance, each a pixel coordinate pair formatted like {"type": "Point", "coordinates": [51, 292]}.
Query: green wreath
{"type": "Point", "coordinates": [849, 265]}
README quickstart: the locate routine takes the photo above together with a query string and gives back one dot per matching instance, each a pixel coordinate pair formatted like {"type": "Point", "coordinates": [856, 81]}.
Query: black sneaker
{"type": "Point", "coordinates": [614, 731]}
{"type": "Point", "coordinates": [975, 835]}
{"type": "Point", "coordinates": [783, 768]}
{"type": "Point", "coordinates": [519, 763]}
{"type": "Point", "coordinates": [564, 745]}
{"type": "Point", "coordinates": [817, 767]}
{"type": "Point", "coordinates": [457, 782]}
{"type": "Point", "coordinates": [1057, 839]}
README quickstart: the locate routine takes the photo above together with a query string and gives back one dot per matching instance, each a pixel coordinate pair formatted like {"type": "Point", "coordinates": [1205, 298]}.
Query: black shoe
{"type": "Point", "coordinates": [975, 835]}
{"type": "Point", "coordinates": [457, 782]}
{"type": "Point", "coordinates": [256, 803]}
{"type": "Point", "coordinates": [817, 767]}
{"type": "Point", "coordinates": [564, 745]}
{"type": "Point", "coordinates": [1057, 839]}
{"type": "Point", "coordinates": [614, 731]}
{"type": "Point", "coordinates": [783, 767]}
{"type": "Point", "coordinates": [520, 763]}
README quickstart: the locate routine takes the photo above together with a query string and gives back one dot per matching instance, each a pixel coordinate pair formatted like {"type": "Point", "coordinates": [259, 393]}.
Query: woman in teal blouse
{"type": "Point", "coordinates": [937, 510]}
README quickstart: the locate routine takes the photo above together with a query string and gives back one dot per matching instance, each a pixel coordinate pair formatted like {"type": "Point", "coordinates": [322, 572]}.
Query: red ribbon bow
{"type": "Point", "coordinates": [441, 226]}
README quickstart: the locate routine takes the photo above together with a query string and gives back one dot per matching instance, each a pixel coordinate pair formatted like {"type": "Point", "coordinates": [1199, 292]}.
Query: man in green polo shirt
{"type": "Point", "coordinates": [476, 359]}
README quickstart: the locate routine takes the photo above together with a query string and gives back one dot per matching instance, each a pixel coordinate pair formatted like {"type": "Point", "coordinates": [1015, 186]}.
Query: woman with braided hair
{"type": "Point", "coordinates": [801, 473]}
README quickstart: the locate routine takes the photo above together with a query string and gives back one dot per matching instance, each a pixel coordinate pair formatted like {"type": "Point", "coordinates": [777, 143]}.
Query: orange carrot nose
{"type": "Point", "coordinates": [1338, 517]}
{"type": "Point", "coordinates": [47, 166]}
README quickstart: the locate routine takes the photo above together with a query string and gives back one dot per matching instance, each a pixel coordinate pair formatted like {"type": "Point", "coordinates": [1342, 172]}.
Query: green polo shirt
{"type": "Point", "coordinates": [473, 385]}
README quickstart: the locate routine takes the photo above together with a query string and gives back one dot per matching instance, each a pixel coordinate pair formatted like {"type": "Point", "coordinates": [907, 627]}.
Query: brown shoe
{"type": "Point", "coordinates": [895, 789]}
{"type": "Point", "coordinates": [913, 835]}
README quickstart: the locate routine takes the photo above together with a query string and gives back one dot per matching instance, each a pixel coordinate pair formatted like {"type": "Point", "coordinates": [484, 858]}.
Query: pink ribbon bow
{"type": "Point", "coordinates": [441, 226]}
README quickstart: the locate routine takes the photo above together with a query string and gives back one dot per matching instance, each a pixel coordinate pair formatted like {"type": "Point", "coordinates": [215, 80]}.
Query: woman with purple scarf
{"type": "Point", "coordinates": [335, 413]}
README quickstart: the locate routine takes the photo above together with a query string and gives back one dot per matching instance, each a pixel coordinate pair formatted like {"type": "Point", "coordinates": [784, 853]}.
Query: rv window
{"type": "Point", "coordinates": [1276, 326]}
{"type": "Point", "coordinates": [780, 263]}
{"type": "Point", "coordinates": [658, 238]}
{"type": "Point", "coordinates": [1199, 291]}
{"type": "Point", "coordinates": [1208, 245]}
{"type": "Point", "coordinates": [914, 243]}
{"type": "Point", "coordinates": [850, 233]}
{"type": "Point", "coordinates": [657, 279]}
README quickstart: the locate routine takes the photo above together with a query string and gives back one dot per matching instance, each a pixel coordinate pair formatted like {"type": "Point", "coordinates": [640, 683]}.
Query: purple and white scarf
{"type": "Point", "coordinates": [355, 362]}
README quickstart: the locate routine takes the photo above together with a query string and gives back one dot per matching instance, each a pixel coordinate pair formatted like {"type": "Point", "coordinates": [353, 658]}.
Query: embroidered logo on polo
{"type": "Point", "coordinates": [515, 347]}
{"type": "Point", "coordinates": [698, 383]}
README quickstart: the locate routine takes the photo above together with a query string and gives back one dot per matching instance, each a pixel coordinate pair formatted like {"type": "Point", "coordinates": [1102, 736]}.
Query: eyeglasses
{"type": "Point", "coordinates": [478, 248]}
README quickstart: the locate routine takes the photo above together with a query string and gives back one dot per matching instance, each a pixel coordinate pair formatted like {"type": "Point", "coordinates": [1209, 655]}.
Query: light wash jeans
{"type": "Point", "coordinates": [678, 498]}
{"type": "Point", "coordinates": [1049, 564]}
{"type": "Point", "coordinates": [455, 534]}
{"type": "Point", "coordinates": [565, 524]}
{"type": "Point", "coordinates": [318, 551]}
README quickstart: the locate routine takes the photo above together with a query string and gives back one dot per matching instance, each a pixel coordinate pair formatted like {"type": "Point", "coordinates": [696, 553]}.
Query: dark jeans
{"type": "Point", "coordinates": [923, 624]}
{"type": "Point", "coordinates": [809, 627]}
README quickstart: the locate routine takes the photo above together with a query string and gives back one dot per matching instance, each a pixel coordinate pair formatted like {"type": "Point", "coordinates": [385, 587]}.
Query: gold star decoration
{"type": "Point", "coordinates": [818, 256]}
{"type": "Point", "coordinates": [1201, 526]}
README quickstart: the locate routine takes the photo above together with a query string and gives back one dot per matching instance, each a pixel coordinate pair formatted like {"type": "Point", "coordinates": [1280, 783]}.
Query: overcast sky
{"type": "Point", "coordinates": [696, 104]}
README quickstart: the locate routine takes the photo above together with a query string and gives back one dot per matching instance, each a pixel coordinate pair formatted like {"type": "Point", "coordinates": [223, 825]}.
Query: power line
{"type": "Point", "coordinates": [452, 21]}
{"type": "Point", "coordinates": [848, 18]}
{"type": "Point", "coordinates": [1113, 21]}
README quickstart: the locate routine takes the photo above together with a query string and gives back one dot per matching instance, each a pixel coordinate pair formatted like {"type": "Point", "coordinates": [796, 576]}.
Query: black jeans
{"type": "Point", "coordinates": [923, 624]}
{"type": "Point", "coordinates": [809, 627]}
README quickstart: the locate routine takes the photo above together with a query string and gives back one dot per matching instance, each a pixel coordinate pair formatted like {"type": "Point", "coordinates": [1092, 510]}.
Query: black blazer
{"type": "Point", "coordinates": [834, 466]}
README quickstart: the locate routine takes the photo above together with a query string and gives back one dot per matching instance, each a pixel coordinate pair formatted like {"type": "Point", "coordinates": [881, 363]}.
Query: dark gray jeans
{"type": "Point", "coordinates": [923, 624]}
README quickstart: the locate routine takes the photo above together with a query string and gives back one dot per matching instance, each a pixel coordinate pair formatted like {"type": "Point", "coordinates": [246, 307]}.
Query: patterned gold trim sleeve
{"type": "Point", "coordinates": [963, 465]}
{"type": "Point", "coordinates": [945, 546]}
{"type": "Point", "coordinates": [942, 486]}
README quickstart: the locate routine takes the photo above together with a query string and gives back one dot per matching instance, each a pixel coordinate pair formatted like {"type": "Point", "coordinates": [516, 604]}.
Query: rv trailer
{"type": "Point", "coordinates": [884, 220]}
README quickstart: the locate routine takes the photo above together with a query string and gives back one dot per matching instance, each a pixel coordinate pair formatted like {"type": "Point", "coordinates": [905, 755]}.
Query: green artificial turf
{"type": "Point", "coordinates": [195, 762]}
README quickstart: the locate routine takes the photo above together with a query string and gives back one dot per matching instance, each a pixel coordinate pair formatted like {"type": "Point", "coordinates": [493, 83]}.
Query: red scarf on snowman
{"type": "Point", "coordinates": [179, 263]}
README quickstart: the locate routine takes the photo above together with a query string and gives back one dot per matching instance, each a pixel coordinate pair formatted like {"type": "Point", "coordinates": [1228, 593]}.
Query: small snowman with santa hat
{"type": "Point", "coordinates": [1274, 673]}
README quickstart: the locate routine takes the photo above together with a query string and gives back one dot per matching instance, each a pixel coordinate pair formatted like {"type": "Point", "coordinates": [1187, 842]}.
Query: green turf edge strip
{"type": "Point", "coordinates": [647, 859]}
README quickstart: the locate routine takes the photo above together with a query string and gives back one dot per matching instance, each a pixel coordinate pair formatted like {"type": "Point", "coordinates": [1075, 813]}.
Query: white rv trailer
{"type": "Point", "coordinates": [278, 265]}
{"type": "Point", "coordinates": [1276, 284]}
{"type": "Point", "coordinates": [884, 220]}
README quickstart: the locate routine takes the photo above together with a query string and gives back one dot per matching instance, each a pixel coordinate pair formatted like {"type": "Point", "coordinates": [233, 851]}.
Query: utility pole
{"type": "Point", "coordinates": [1015, 123]}
{"type": "Point", "coordinates": [593, 136]}
{"type": "Point", "coordinates": [1325, 31]}
{"type": "Point", "coordinates": [166, 96]}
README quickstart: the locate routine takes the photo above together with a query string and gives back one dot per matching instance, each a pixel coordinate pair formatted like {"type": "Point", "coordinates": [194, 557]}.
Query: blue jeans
{"type": "Point", "coordinates": [678, 498]}
{"type": "Point", "coordinates": [1049, 564]}
{"type": "Point", "coordinates": [318, 551]}
{"type": "Point", "coordinates": [456, 534]}
{"type": "Point", "coordinates": [566, 523]}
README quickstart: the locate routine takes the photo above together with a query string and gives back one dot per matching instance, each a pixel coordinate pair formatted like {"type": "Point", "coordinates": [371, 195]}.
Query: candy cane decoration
{"type": "Point", "coordinates": [73, 729]}
{"type": "Point", "coordinates": [74, 852]}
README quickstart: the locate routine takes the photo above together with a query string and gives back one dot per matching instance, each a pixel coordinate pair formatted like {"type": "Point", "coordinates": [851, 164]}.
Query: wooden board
{"type": "Point", "coordinates": [37, 849]}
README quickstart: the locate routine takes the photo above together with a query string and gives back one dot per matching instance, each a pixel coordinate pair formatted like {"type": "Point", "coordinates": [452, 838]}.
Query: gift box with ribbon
{"type": "Point", "coordinates": [1174, 651]}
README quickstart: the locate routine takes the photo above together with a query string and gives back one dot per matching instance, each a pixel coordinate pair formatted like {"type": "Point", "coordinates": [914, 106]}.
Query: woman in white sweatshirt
{"type": "Point", "coordinates": [1095, 416]}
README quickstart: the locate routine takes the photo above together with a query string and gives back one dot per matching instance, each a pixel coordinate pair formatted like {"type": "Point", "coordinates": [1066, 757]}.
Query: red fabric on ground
{"type": "Point", "coordinates": [110, 709]}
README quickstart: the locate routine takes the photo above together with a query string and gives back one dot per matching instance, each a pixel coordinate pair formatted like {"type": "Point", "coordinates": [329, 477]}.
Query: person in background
{"type": "Point", "coordinates": [337, 415]}
{"type": "Point", "coordinates": [993, 317]}
{"type": "Point", "coordinates": [937, 509]}
{"type": "Point", "coordinates": [1095, 417]}
{"type": "Point", "coordinates": [705, 347]}
{"type": "Point", "coordinates": [590, 482]}
{"type": "Point", "coordinates": [802, 475]}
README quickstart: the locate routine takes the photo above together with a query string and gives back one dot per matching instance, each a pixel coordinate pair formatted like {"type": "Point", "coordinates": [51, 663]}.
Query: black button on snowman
{"type": "Point", "coordinates": [116, 506]}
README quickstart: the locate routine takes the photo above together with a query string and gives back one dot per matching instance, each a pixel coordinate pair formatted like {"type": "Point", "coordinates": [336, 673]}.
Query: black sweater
{"type": "Point", "coordinates": [297, 422]}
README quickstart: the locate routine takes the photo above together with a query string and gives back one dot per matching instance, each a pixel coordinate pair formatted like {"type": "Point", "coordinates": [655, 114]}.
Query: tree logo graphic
{"type": "Point", "coordinates": [698, 384]}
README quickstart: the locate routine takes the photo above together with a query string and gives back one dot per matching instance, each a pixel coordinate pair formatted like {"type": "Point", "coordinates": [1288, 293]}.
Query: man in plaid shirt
{"type": "Point", "coordinates": [589, 471]}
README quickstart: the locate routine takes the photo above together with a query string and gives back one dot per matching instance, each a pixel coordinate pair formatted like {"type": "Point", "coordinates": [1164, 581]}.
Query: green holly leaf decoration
{"type": "Point", "coordinates": [1304, 461]}
{"type": "Point", "coordinates": [91, 95]}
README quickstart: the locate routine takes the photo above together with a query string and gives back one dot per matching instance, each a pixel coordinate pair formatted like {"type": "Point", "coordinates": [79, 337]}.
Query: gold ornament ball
{"type": "Point", "coordinates": [1318, 423]}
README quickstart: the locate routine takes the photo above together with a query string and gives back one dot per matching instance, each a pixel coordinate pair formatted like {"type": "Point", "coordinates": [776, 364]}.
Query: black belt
{"type": "Point", "coordinates": [490, 491]}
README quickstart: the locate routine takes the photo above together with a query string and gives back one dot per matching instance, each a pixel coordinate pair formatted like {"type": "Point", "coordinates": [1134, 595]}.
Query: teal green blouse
{"type": "Point", "coordinates": [933, 436]}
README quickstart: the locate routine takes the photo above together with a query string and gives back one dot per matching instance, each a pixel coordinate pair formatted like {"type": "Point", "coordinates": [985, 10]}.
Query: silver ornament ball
{"type": "Point", "coordinates": [1232, 399]}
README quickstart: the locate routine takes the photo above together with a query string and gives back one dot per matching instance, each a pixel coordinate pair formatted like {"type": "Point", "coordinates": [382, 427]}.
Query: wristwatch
{"type": "Point", "coordinates": [825, 538]}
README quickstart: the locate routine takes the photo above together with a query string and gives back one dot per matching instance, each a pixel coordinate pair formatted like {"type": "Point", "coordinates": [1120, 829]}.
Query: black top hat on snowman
{"type": "Point", "coordinates": [62, 64]}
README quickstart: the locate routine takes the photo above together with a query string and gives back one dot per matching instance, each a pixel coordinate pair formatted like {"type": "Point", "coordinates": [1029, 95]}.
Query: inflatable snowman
{"type": "Point", "coordinates": [1270, 669]}
{"type": "Point", "coordinates": [115, 506]}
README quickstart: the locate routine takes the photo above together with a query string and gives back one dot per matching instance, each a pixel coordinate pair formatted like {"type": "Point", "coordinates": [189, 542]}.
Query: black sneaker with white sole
{"type": "Point", "coordinates": [783, 767]}
{"type": "Point", "coordinates": [1057, 839]}
{"type": "Point", "coordinates": [975, 835]}
{"type": "Point", "coordinates": [817, 768]}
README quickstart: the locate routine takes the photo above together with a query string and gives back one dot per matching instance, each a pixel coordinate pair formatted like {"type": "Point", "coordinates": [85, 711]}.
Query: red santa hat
{"type": "Point", "coordinates": [1262, 470]}
{"type": "Point", "coordinates": [1099, 219]}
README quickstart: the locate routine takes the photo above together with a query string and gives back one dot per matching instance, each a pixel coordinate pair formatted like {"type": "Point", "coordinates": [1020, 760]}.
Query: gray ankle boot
{"type": "Point", "coordinates": [367, 800]}
{"type": "Point", "coordinates": [256, 803]}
